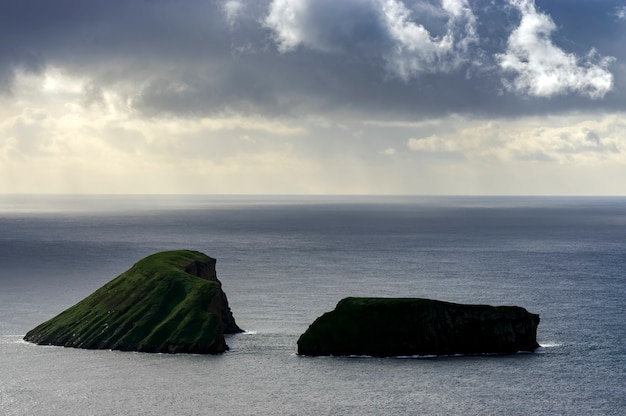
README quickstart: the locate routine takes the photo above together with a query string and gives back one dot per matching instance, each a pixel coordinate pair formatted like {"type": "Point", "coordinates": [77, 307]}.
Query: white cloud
{"type": "Point", "coordinates": [568, 140]}
{"type": "Point", "coordinates": [542, 69]}
{"type": "Point", "coordinates": [416, 50]}
{"type": "Point", "coordinates": [51, 142]}
{"type": "Point", "coordinates": [232, 10]}
{"type": "Point", "coordinates": [287, 18]}
{"type": "Point", "coordinates": [620, 13]}
{"type": "Point", "coordinates": [435, 143]}
{"type": "Point", "coordinates": [412, 49]}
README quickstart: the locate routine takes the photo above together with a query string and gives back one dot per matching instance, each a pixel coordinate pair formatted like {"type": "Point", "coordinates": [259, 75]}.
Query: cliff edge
{"type": "Point", "coordinates": [404, 327]}
{"type": "Point", "coordinates": [169, 302]}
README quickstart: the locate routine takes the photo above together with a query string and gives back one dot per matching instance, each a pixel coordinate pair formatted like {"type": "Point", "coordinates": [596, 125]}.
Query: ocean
{"type": "Point", "coordinates": [283, 261]}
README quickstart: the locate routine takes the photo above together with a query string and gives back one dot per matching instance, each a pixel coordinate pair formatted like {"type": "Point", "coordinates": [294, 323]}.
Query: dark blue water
{"type": "Point", "coordinates": [285, 260]}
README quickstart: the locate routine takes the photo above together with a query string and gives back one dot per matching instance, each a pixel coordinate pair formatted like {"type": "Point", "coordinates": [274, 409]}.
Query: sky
{"type": "Point", "coordinates": [435, 97]}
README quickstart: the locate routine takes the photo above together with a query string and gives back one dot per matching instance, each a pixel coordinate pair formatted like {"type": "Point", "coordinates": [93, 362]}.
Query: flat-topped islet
{"type": "Point", "coordinates": [412, 326]}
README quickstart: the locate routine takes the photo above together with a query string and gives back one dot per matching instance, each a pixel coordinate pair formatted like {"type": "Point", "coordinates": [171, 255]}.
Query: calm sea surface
{"type": "Point", "coordinates": [283, 261]}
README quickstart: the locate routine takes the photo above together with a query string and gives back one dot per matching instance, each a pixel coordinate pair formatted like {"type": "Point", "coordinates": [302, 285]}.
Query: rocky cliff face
{"type": "Point", "coordinates": [205, 269]}
{"type": "Point", "coordinates": [401, 327]}
{"type": "Point", "coordinates": [168, 302]}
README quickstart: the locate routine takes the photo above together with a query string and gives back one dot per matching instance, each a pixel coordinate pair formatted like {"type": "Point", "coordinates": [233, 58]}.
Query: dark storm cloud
{"type": "Point", "coordinates": [374, 58]}
{"type": "Point", "coordinates": [146, 36]}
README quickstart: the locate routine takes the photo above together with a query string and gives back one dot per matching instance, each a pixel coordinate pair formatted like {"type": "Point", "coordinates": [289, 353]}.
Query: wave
{"type": "Point", "coordinates": [550, 344]}
{"type": "Point", "coordinates": [13, 339]}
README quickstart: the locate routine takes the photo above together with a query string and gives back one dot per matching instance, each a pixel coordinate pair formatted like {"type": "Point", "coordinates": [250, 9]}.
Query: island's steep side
{"type": "Point", "coordinates": [404, 327]}
{"type": "Point", "coordinates": [168, 302]}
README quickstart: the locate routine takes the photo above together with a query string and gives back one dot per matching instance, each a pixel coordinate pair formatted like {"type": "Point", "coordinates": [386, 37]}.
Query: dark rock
{"type": "Point", "coordinates": [405, 327]}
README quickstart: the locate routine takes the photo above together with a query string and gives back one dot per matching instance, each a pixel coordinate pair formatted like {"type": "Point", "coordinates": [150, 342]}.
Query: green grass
{"type": "Point", "coordinates": [154, 307]}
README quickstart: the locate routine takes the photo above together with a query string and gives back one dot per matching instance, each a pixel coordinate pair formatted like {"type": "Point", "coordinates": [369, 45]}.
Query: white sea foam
{"type": "Point", "coordinates": [415, 356]}
{"type": "Point", "coordinates": [13, 339]}
{"type": "Point", "coordinates": [549, 344]}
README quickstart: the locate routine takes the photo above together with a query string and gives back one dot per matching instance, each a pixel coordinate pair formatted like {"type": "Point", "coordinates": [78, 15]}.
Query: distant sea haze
{"type": "Point", "coordinates": [283, 261]}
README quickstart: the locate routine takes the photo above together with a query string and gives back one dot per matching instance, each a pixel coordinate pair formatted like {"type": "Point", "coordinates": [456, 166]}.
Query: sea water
{"type": "Point", "coordinates": [283, 261]}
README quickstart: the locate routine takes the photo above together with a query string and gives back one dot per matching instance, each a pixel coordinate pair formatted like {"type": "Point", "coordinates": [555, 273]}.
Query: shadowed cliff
{"type": "Point", "coordinates": [168, 302]}
{"type": "Point", "coordinates": [403, 327]}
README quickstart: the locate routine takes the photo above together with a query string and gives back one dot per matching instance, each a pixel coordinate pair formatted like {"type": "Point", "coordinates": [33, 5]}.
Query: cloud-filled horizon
{"type": "Point", "coordinates": [313, 96]}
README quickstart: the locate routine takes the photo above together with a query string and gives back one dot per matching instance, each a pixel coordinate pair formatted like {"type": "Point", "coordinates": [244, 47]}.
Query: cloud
{"type": "Point", "coordinates": [453, 42]}
{"type": "Point", "coordinates": [383, 28]}
{"type": "Point", "coordinates": [571, 140]}
{"type": "Point", "coordinates": [543, 69]}
{"type": "Point", "coordinates": [232, 11]}
{"type": "Point", "coordinates": [287, 18]}
{"type": "Point", "coordinates": [620, 12]}
{"type": "Point", "coordinates": [415, 50]}
{"type": "Point", "coordinates": [386, 60]}
{"type": "Point", "coordinates": [50, 142]}
{"type": "Point", "coordinates": [348, 26]}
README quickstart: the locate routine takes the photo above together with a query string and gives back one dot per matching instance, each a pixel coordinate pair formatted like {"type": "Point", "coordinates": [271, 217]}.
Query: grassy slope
{"type": "Point", "coordinates": [155, 306]}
